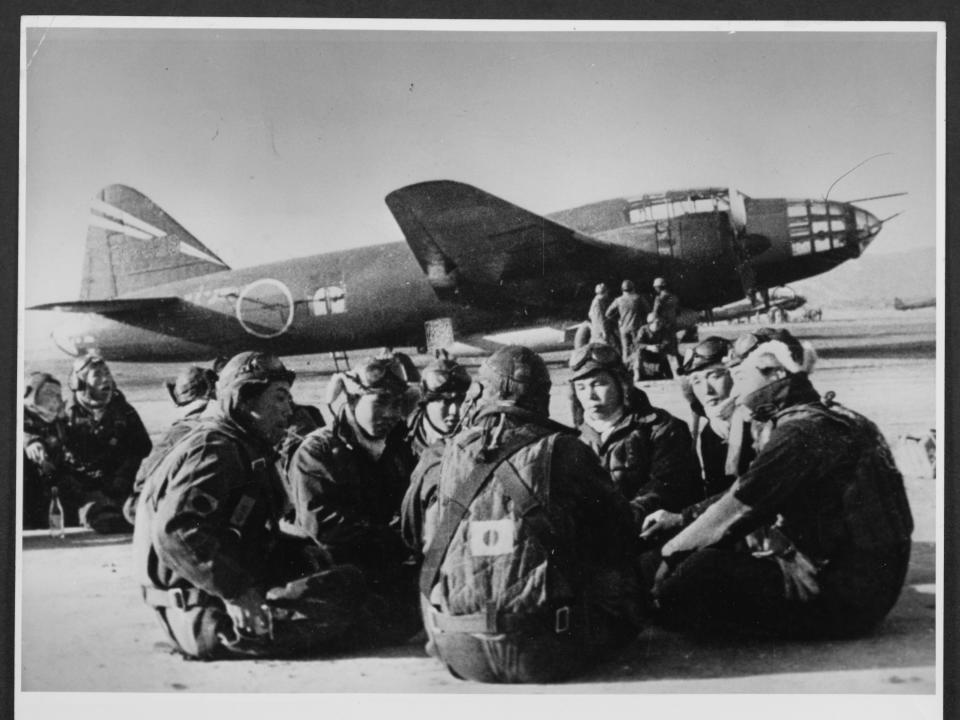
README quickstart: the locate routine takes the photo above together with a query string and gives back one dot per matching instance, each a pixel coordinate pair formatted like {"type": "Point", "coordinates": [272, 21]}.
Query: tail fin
{"type": "Point", "coordinates": [133, 244]}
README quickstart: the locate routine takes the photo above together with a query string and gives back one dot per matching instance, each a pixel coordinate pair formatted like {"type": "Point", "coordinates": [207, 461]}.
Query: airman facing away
{"type": "Point", "coordinates": [630, 308]}
{"type": "Point", "coordinates": [539, 587]}
{"type": "Point", "coordinates": [602, 328]}
{"type": "Point", "coordinates": [191, 391]}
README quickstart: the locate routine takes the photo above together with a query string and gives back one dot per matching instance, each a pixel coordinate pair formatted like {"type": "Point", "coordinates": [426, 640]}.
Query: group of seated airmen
{"type": "Point", "coordinates": [525, 550]}
{"type": "Point", "coordinates": [85, 452]}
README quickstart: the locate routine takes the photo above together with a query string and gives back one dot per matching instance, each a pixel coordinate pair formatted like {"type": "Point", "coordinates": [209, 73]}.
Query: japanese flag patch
{"type": "Point", "coordinates": [490, 537]}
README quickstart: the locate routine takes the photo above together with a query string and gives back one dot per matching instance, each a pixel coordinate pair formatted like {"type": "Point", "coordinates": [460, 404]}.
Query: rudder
{"type": "Point", "coordinates": [133, 244]}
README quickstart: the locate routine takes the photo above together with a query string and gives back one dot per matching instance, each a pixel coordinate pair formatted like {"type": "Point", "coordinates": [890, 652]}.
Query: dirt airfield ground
{"type": "Point", "coordinates": [84, 627]}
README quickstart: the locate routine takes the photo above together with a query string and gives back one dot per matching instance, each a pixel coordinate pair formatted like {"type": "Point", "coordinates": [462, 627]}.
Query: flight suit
{"type": "Point", "coordinates": [632, 309]}
{"type": "Point", "coordinates": [207, 530]}
{"type": "Point", "coordinates": [807, 483]}
{"type": "Point", "coordinates": [602, 328]}
{"type": "Point", "coordinates": [649, 456]}
{"type": "Point", "coordinates": [104, 454]}
{"type": "Point", "coordinates": [420, 500]}
{"type": "Point", "coordinates": [505, 624]}
{"type": "Point", "coordinates": [665, 306]}
{"type": "Point", "coordinates": [348, 500]}
{"type": "Point", "coordinates": [180, 428]}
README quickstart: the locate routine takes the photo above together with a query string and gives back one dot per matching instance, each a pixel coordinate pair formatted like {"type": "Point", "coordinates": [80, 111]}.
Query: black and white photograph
{"type": "Point", "coordinates": [432, 357]}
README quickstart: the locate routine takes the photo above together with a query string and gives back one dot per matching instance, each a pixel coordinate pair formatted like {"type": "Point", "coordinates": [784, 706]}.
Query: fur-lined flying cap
{"type": "Point", "coordinates": [748, 342]}
{"type": "Point", "coordinates": [793, 355]}
{"type": "Point", "coordinates": [35, 381]}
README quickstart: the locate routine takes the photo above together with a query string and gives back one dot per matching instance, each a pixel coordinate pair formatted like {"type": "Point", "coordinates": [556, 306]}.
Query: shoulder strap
{"type": "Point", "coordinates": [531, 509]}
{"type": "Point", "coordinates": [457, 506]}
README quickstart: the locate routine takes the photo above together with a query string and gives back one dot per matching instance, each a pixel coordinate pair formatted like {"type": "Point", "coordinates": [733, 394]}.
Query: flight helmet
{"type": "Point", "coordinates": [249, 368]}
{"type": "Point", "coordinates": [444, 378]}
{"type": "Point", "coordinates": [193, 383]}
{"type": "Point", "coordinates": [516, 375]}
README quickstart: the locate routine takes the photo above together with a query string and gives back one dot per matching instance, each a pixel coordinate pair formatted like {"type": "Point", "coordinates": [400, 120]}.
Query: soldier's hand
{"type": "Point", "coordinates": [659, 522]}
{"type": "Point", "coordinates": [250, 614]}
{"type": "Point", "coordinates": [36, 453]}
{"type": "Point", "coordinates": [663, 572]}
{"type": "Point", "coordinates": [799, 576]}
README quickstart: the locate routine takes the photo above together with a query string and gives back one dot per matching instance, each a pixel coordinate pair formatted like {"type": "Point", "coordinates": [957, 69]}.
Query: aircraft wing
{"type": "Point", "coordinates": [467, 240]}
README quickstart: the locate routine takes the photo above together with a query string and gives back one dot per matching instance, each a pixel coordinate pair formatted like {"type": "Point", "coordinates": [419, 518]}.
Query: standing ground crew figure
{"type": "Point", "coordinates": [106, 442]}
{"type": "Point", "coordinates": [602, 328]}
{"type": "Point", "coordinates": [44, 465]}
{"type": "Point", "coordinates": [835, 524]}
{"type": "Point", "coordinates": [666, 305]}
{"type": "Point", "coordinates": [529, 575]}
{"type": "Point", "coordinates": [347, 482]}
{"type": "Point", "coordinates": [207, 546]}
{"type": "Point", "coordinates": [646, 450]}
{"type": "Point", "coordinates": [191, 391]}
{"type": "Point", "coordinates": [631, 309]}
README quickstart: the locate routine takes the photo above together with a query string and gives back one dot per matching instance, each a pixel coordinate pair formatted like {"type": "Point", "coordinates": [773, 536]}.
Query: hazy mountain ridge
{"type": "Point", "coordinates": [873, 281]}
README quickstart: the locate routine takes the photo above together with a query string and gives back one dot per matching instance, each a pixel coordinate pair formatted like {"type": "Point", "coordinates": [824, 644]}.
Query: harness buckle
{"type": "Point", "coordinates": [176, 596]}
{"type": "Point", "coordinates": [562, 620]}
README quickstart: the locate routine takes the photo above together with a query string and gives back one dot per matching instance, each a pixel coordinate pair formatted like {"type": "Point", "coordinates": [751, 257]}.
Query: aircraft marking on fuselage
{"type": "Point", "coordinates": [247, 299]}
{"type": "Point", "coordinates": [329, 300]}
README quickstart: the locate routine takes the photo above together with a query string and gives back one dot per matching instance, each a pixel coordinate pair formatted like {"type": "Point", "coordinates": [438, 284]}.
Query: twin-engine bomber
{"type": "Point", "coordinates": [472, 264]}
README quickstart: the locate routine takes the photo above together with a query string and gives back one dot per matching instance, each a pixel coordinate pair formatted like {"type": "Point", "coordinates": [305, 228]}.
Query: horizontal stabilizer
{"type": "Point", "coordinates": [172, 316]}
{"type": "Point", "coordinates": [466, 239]}
{"type": "Point", "coordinates": [111, 307]}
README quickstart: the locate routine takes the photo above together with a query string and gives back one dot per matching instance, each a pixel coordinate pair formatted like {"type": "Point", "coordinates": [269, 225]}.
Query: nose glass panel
{"type": "Point", "coordinates": [816, 227]}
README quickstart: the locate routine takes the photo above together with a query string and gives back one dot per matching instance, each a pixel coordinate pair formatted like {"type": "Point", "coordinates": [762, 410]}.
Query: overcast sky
{"type": "Point", "coordinates": [270, 144]}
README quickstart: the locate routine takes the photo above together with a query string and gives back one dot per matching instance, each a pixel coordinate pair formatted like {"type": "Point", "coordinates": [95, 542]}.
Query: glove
{"type": "Point", "coordinates": [250, 614]}
{"type": "Point", "coordinates": [36, 453]}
